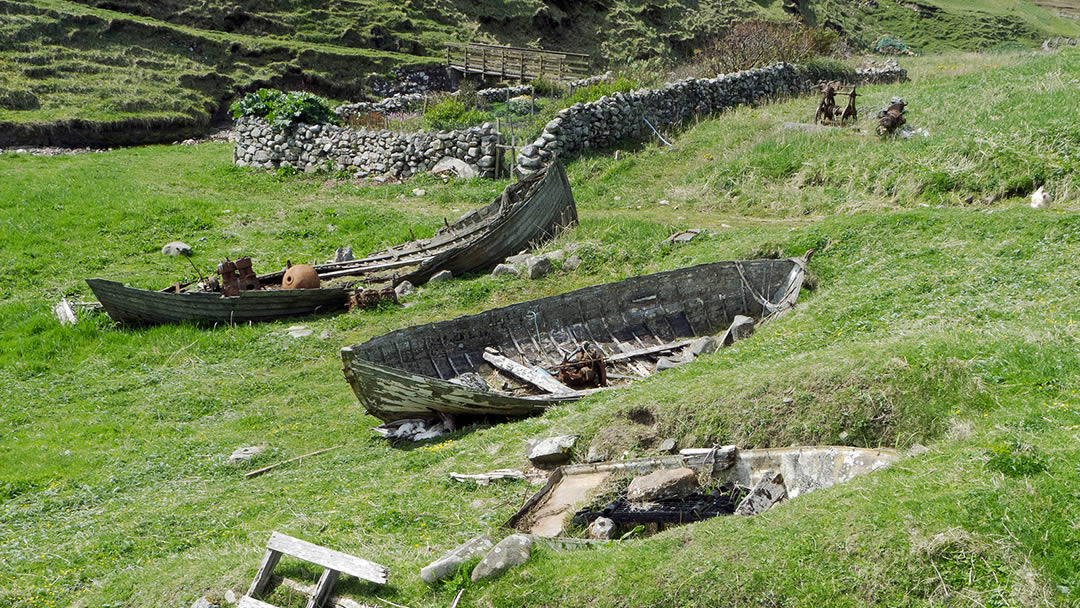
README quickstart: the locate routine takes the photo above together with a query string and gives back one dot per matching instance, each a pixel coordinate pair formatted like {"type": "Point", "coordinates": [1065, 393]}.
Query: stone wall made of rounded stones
{"type": "Point", "coordinates": [609, 120]}
{"type": "Point", "coordinates": [398, 103]}
{"type": "Point", "coordinates": [363, 152]}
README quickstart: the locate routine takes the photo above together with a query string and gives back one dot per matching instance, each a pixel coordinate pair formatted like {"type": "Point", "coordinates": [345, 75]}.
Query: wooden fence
{"type": "Point", "coordinates": [513, 62]}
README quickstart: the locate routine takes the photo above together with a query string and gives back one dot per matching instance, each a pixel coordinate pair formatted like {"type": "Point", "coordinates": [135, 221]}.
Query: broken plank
{"type": "Point", "coordinates": [249, 602]}
{"type": "Point", "coordinates": [328, 558]}
{"type": "Point", "coordinates": [266, 569]}
{"type": "Point", "coordinates": [649, 350]}
{"type": "Point", "coordinates": [258, 472]}
{"type": "Point", "coordinates": [65, 313]}
{"type": "Point", "coordinates": [540, 380]}
{"type": "Point", "coordinates": [322, 588]}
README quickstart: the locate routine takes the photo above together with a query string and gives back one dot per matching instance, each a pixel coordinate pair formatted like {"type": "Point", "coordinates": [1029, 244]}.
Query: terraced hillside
{"type": "Point", "coordinates": [108, 72]}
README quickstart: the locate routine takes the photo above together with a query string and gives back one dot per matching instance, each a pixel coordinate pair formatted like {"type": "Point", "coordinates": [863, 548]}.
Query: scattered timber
{"type": "Point", "coordinates": [271, 467]}
{"type": "Point", "coordinates": [406, 373]}
{"type": "Point", "coordinates": [540, 379]}
{"type": "Point", "coordinates": [528, 212]}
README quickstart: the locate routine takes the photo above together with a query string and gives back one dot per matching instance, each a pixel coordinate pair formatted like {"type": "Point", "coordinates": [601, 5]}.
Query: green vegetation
{"type": "Point", "coordinates": [282, 109]}
{"type": "Point", "coordinates": [451, 114]}
{"type": "Point", "coordinates": [939, 325]}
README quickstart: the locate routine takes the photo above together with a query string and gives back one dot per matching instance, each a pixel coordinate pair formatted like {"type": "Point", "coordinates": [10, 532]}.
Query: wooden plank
{"type": "Point", "coordinates": [334, 601]}
{"type": "Point", "coordinates": [540, 380]}
{"type": "Point", "coordinates": [258, 472]}
{"type": "Point", "coordinates": [329, 558]}
{"type": "Point", "coordinates": [266, 569]}
{"type": "Point", "coordinates": [249, 602]}
{"type": "Point", "coordinates": [64, 313]}
{"type": "Point", "coordinates": [322, 588]}
{"type": "Point", "coordinates": [639, 352]}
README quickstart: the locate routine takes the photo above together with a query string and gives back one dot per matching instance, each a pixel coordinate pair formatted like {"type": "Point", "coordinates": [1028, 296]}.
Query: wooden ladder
{"type": "Point", "coordinates": [334, 562]}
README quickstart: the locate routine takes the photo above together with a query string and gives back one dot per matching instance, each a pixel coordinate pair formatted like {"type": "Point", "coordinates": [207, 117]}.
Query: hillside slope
{"type": "Point", "coordinates": [114, 72]}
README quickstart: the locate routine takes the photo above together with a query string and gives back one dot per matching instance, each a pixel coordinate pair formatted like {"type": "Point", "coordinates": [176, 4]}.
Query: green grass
{"type": "Point", "coordinates": [942, 328]}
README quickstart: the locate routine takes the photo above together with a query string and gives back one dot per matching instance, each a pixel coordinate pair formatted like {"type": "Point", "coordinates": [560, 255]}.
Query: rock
{"type": "Point", "coordinates": [442, 275]}
{"type": "Point", "coordinates": [597, 454]}
{"type": "Point", "coordinates": [665, 483]}
{"type": "Point", "coordinates": [230, 596]}
{"type": "Point", "coordinates": [176, 248]}
{"type": "Point", "coordinates": [667, 363]}
{"type": "Point", "coordinates": [344, 254]}
{"type": "Point", "coordinates": [705, 345]}
{"type": "Point", "coordinates": [202, 602]}
{"type": "Point", "coordinates": [299, 331]}
{"type": "Point", "coordinates": [741, 327]}
{"type": "Point", "coordinates": [602, 528]}
{"type": "Point", "coordinates": [447, 566]}
{"type": "Point", "coordinates": [572, 263]}
{"type": "Point", "coordinates": [519, 259]}
{"type": "Point", "coordinates": [505, 270]}
{"type": "Point", "coordinates": [550, 450]}
{"type": "Point", "coordinates": [1039, 199]}
{"type": "Point", "coordinates": [668, 446]}
{"type": "Point", "coordinates": [766, 493]}
{"type": "Point", "coordinates": [538, 267]}
{"type": "Point", "coordinates": [471, 380]}
{"type": "Point", "coordinates": [419, 192]}
{"type": "Point", "coordinates": [514, 550]}
{"type": "Point", "coordinates": [404, 288]}
{"type": "Point", "coordinates": [325, 334]}
{"type": "Point", "coordinates": [556, 256]}
{"type": "Point", "coordinates": [245, 453]}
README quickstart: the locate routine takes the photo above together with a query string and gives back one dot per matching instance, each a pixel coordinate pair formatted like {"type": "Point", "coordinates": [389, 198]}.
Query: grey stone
{"type": "Point", "coordinates": [704, 345]}
{"type": "Point", "coordinates": [530, 163]}
{"type": "Point", "coordinates": [447, 566]}
{"type": "Point", "coordinates": [471, 380]}
{"type": "Point", "coordinates": [404, 288]}
{"type": "Point", "coordinates": [538, 267]}
{"type": "Point", "coordinates": [602, 528]}
{"type": "Point", "coordinates": [514, 550]}
{"type": "Point", "coordinates": [550, 450]}
{"type": "Point", "coordinates": [299, 331]}
{"type": "Point", "coordinates": [768, 491]}
{"type": "Point", "coordinates": [506, 270]}
{"type": "Point", "coordinates": [202, 602]}
{"type": "Point", "coordinates": [442, 275]}
{"type": "Point", "coordinates": [419, 192]}
{"type": "Point", "coordinates": [519, 259]}
{"type": "Point", "coordinates": [741, 327]}
{"type": "Point", "coordinates": [572, 263]}
{"type": "Point", "coordinates": [343, 254]}
{"type": "Point", "coordinates": [664, 363]}
{"type": "Point", "coordinates": [668, 446]}
{"type": "Point", "coordinates": [556, 256]}
{"type": "Point", "coordinates": [665, 483]}
{"type": "Point", "coordinates": [230, 596]}
{"type": "Point", "coordinates": [245, 453]}
{"type": "Point", "coordinates": [176, 248]}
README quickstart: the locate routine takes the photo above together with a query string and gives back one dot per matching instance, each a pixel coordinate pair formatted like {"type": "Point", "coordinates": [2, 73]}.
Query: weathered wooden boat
{"type": "Point", "coordinates": [527, 212]}
{"type": "Point", "coordinates": [407, 373]}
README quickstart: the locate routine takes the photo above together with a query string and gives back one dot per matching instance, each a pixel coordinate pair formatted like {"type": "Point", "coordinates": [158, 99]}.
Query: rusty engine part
{"type": "Point", "coordinates": [300, 276]}
{"type": "Point", "coordinates": [826, 111]}
{"type": "Point", "coordinates": [370, 298]}
{"type": "Point", "coordinates": [850, 112]}
{"type": "Point", "coordinates": [230, 283]}
{"type": "Point", "coordinates": [892, 117]}
{"type": "Point", "coordinates": [248, 281]}
{"type": "Point", "coordinates": [584, 367]}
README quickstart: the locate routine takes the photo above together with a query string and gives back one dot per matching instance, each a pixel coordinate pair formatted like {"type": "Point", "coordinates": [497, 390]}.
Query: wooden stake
{"type": "Point", "coordinates": [258, 472]}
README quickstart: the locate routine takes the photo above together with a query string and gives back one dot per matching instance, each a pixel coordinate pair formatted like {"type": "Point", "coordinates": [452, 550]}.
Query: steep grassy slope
{"type": "Point", "coordinates": [109, 72]}
{"type": "Point", "coordinates": [935, 322]}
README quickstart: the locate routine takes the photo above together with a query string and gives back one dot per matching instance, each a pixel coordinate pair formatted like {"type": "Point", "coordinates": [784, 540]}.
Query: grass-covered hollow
{"type": "Point", "coordinates": [942, 327]}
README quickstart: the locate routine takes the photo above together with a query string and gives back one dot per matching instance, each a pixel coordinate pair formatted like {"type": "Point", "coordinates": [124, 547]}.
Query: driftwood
{"type": "Point", "coordinates": [539, 379]}
{"type": "Point", "coordinates": [258, 472]}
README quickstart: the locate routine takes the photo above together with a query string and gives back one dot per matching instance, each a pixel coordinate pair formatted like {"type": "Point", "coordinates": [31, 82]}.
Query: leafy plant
{"type": "Point", "coordinates": [283, 110]}
{"type": "Point", "coordinates": [1015, 459]}
{"type": "Point", "coordinates": [603, 89]}
{"type": "Point", "coordinates": [756, 43]}
{"type": "Point", "coordinates": [546, 87]}
{"type": "Point", "coordinates": [451, 113]}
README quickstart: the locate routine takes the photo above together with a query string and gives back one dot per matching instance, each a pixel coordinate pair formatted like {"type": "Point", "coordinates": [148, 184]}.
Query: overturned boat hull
{"type": "Point", "coordinates": [406, 373]}
{"type": "Point", "coordinates": [530, 211]}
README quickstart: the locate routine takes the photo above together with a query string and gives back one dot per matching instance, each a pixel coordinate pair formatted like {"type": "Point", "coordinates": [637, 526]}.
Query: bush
{"type": "Point", "coordinates": [451, 114]}
{"type": "Point", "coordinates": [752, 44]}
{"type": "Point", "coordinates": [545, 87]}
{"type": "Point", "coordinates": [603, 89]}
{"type": "Point", "coordinates": [282, 110]}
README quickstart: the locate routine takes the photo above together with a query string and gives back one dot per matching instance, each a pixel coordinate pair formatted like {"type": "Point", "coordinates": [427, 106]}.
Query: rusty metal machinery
{"type": "Point", "coordinates": [826, 111]}
{"type": "Point", "coordinates": [892, 117]}
{"type": "Point", "coordinates": [370, 298]}
{"type": "Point", "coordinates": [584, 367]}
{"type": "Point", "coordinates": [247, 279]}
{"type": "Point", "coordinates": [230, 283]}
{"type": "Point", "coordinates": [300, 276]}
{"type": "Point", "coordinates": [850, 111]}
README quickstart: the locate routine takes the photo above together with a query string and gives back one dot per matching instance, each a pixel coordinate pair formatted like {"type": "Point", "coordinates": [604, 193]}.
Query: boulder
{"type": "Point", "coordinates": [668, 446]}
{"type": "Point", "coordinates": [519, 259]}
{"type": "Point", "coordinates": [343, 254]}
{"type": "Point", "coordinates": [245, 453]}
{"type": "Point", "coordinates": [404, 288]}
{"type": "Point", "coordinates": [176, 248]}
{"type": "Point", "coordinates": [442, 275]}
{"type": "Point", "coordinates": [667, 363]}
{"type": "Point", "coordinates": [550, 450]}
{"type": "Point", "coordinates": [506, 270]}
{"type": "Point", "coordinates": [299, 331]}
{"type": "Point", "coordinates": [514, 550]}
{"type": "Point", "coordinates": [741, 327]}
{"type": "Point", "coordinates": [447, 566]}
{"type": "Point", "coordinates": [665, 483]}
{"type": "Point", "coordinates": [602, 528]}
{"type": "Point", "coordinates": [572, 263]}
{"type": "Point", "coordinates": [768, 491]}
{"type": "Point", "coordinates": [705, 345]}
{"type": "Point", "coordinates": [419, 192]}
{"type": "Point", "coordinates": [538, 267]}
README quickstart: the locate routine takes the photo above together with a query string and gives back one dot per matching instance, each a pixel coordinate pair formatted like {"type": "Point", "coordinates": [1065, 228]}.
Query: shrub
{"type": "Point", "coordinates": [545, 87]}
{"type": "Point", "coordinates": [467, 95]}
{"type": "Point", "coordinates": [282, 110]}
{"type": "Point", "coordinates": [603, 89]}
{"type": "Point", "coordinates": [751, 44]}
{"type": "Point", "coordinates": [451, 113]}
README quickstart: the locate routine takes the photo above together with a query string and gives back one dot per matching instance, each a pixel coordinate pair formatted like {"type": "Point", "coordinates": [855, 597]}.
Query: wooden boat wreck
{"type": "Point", "coordinates": [527, 212]}
{"type": "Point", "coordinates": [520, 359]}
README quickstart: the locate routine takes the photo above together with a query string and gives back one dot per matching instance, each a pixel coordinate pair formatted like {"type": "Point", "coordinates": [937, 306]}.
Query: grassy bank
{"type": "Point", "coordinates": [942, 327]}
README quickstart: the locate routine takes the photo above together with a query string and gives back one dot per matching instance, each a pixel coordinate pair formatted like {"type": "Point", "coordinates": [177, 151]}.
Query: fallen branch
{"type": "Point", "coordinates": [258, 472]}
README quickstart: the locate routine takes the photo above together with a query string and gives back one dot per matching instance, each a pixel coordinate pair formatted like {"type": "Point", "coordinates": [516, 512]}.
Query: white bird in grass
{"type": "Point", "coordinates": [1039, 200]}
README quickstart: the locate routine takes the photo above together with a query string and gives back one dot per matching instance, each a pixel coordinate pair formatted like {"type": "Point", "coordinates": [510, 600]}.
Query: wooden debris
{"type": "Point", "coordinates": [258, 472]}
{"type": "Point", "coordinates": [650, 350]}
{"type": "Point", "coordinates": [766, 493]}
{"type": "Point", "coordinates": [334, 601]}
{"type": "Point", "coordinates": [65, 313]}
{"type": "Point", "coordinates": [540, 380]}
{"type": "Point", "coordinates": [484, 479]}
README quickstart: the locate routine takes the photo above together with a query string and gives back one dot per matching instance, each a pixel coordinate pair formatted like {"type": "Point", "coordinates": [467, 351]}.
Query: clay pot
{"type": "Point", "coordinates": [300, 276]}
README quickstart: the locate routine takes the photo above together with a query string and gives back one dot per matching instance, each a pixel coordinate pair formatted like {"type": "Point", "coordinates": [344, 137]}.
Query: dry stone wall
{"type": "Point", "coordinates": [362, 152]}
{"type": "Point", "coordinates": [622, 116]}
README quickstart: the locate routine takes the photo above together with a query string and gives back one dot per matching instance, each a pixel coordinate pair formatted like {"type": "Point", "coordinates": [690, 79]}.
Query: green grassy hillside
{"type": "Point", "coordinates": [120, 72]}
{"type": "Point", "coordinates": [944, 323]}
